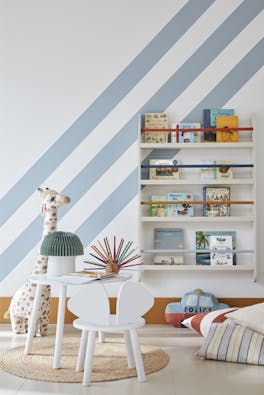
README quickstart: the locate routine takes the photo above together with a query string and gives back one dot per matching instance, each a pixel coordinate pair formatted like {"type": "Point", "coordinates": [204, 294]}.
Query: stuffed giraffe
{"type": "Point", "coordinates": [22, 302]}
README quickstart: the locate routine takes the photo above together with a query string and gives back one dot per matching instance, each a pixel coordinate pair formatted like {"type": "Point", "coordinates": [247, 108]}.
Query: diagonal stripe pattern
{"type": "Point", "coordinates": [160, 101]}
{"type": "Point", "coordinates": [112, 95]}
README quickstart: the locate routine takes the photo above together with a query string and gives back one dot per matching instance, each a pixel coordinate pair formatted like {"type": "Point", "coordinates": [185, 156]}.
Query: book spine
{"type": "Point", "coordinates": [208, 136]}
{"type": "Point", "coordinates": [204, 199]}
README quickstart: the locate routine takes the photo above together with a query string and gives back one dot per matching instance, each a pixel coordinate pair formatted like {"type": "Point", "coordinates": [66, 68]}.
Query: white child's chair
{"type": "Point", "coordinates": [91, 305]}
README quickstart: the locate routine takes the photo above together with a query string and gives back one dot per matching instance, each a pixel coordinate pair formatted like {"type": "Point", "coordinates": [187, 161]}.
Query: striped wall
{"type": "Point", "coordinates": [77, 81]}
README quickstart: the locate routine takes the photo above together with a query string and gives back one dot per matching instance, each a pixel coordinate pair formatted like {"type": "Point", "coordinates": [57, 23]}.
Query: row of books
{"type": "Point", "coordinates": [219, 243]}
{"type": "Point", "coordinates": [174, 173]}
{"type": "Point", "coordinates": [212, 118]}
{"type": "Point", "coordinates": [215, 194]}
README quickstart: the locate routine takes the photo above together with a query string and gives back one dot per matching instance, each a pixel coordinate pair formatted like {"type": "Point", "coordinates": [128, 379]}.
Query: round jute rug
{"type": "Point", "coordinates": [109, 362]}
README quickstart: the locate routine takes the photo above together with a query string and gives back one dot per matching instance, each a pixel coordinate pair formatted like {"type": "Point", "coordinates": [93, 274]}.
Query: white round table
{"type": "Point", "coordinates": [42, 280]}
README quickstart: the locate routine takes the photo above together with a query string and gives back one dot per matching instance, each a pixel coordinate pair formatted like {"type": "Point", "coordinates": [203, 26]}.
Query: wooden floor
{"type": "Point", "coordinates": [184, 374]}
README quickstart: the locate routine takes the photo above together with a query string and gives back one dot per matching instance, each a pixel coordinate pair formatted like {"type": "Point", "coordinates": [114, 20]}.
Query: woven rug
{"type": "Point", "coordinates": [109, 362]}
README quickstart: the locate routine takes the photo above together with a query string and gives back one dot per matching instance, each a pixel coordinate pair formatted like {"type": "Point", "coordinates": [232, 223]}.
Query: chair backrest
{"type": "Point", "coordinates": [91, 304]}
{"type": "Point", "coordinates": [133, 301]}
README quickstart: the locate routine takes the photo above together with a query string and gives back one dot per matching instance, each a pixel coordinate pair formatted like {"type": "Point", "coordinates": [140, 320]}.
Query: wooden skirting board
{"type": "Point", "coordinates": [154, 316]}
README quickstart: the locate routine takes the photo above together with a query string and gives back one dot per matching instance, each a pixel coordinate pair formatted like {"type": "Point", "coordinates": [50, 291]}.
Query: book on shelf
{"type": "Point", "coordinates": [224, 173]}
{"type": "Point", "coordinates": [190, 136]}
{"type": "Point", "coordinates": [168, 239]}
{"type": "Point", "coordinates": [209, 121]}
{"type": "Point", "coordinates": [227, 122]}
{"type": "Point", "coordinates": [216, 194]}
{"type": "Point", "coordinates": [208, 173]}
{"type": "Point", "coordinates": [156, 121]}
{"type": "Point", "coordinates": [181, 209]}
{"type": "Point", "coordinates": [164, 172]}
{"type": "Point", "coordinates": [208, 136]}
{"type": "Point", "coordinates": [212, 240]}
{"type": "Point", "coordinates": [158, 210]}
{"type": "Point", "coordinates": [219, 173]}
{"type": "Point", "coordinates": [219, 112]}
{"type": "Point", "coordinates": [222, 250]}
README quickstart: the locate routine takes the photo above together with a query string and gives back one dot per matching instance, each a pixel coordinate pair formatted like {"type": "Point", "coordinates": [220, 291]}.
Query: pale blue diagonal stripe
{"type": "Point", "coordinates": [12, 255]}
{"type": "Point", "coordinates": [102, 106]}
{"type": "Point", "coordinates": [246, 69]}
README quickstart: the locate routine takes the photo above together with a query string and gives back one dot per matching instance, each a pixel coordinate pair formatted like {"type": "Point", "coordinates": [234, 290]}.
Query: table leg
{"type": "Point", "coordinates": [33, 319]}
{"type": "Point", "coordinates": [60, 326]}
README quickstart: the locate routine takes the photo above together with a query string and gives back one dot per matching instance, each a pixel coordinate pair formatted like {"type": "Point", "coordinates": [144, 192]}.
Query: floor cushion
{"type": "Point", "coordinates": [250, 316]}
{"type": "Point", "coordinates": [233, 343]}
{"type": "Point", "coordinates": [201, 323]}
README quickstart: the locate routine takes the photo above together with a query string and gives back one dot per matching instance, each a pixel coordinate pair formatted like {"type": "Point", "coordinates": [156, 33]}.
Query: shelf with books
{"type": "Point", "coordinates": [212, 145]}
{"type": "Point", "coordinates": [237, 181]}
{"type": "Point", "coordinates": [203, 168]}
{"type": "Point", "coordinates": [248, 268]}
{"type": "Point", "coordinates": [198, 219]}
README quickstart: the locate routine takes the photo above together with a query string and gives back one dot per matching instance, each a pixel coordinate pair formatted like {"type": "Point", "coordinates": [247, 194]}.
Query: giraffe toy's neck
{"type": "Point", "coordinates": [50, 221]}
{"type": "Point", "coordinates": [49, 226]}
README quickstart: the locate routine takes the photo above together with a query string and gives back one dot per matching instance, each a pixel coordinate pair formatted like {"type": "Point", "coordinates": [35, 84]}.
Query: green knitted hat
{"type": "Point", "coordinates": [61, 244]}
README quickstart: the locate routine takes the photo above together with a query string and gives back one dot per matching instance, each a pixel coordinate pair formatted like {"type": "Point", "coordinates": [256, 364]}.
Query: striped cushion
{"type": "Point", "coordinates": [201, 323]}
{"type": "Point", "coordinates": [233, 343]}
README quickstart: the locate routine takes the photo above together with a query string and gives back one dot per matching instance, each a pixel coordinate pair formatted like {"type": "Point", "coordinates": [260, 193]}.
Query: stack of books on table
{"type": "Point", "coordinates": [93, 274]}
{"type": "Point", "coordinates": [84, 277]}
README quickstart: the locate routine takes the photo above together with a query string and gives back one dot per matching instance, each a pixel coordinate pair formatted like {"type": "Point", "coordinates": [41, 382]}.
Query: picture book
{"type": "Point", "coordinates": [216, 194]}
{"type": "Point", "coordinates": [164, 172]}
{"type": "Point", "coordinates": [224, 173]}
{"type": "Point", "coordinates": [203, 242]}
{"type": "Point", "coordinates": [168, 239]}
{"type": "Point", "coordinates": [190, 136]}
{"type": "Point", "coordinates": [216, 112]}
{"type": "Point", "coordinates": [158, 210]}
{"type": "Point", "coordinates": [222, 246]}
{"type": "Point", "coordinates": [182, 209]}
{"type": "Point", "coordinates": [208, 173]}
{"type": "Point", "coordinates": [156, 121]}
{"type": "Point", "coordinates": [228, 122]}
{"type": "Point", "coordinates": [208, 136]}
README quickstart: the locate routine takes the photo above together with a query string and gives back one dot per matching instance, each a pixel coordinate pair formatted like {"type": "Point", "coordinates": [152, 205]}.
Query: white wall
{"type": "Point", "coordinates": [57, 57]}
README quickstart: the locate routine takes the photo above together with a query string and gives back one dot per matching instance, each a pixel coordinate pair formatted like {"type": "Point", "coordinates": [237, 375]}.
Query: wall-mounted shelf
{"type": "Point", "coordinates": [197, 145]}
{"type": "Point", "coordinates": [198, 219]}
{"type": "Point", "coordinates": [233, 181]}
{"type": "Point", "coordinates": [197, 268]}
{"type": "Point", "coordinates": [192, 157]}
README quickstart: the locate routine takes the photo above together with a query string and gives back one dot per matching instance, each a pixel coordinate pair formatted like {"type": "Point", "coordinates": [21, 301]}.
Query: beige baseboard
{"type": "Point", "coordinates": [154, 316]}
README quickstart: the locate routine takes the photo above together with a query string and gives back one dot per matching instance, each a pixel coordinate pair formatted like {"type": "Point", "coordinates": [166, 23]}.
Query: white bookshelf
{"type": "Point", "coordinates": [242, 219]}
{"type": "Point", "coordinates": [246, 181]}
{"type": "Point", "coordinates": [195, 146]}
{"type": "Point", "coordinates": [198, 268]}
{"type": "Point", "coordinates": [198, 219]}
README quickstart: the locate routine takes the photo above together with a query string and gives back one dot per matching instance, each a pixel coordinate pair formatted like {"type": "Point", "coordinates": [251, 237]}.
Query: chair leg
{"type": "Point", "coordinates": [89, 358]}
{"type": "Point", "coordinates": [137, 355]}
{"type": "Point", "coordinates": [101, 337]}
{"type": "Point", "coordinates": [82, 350]}
{"type": "Point", "coordinates": [129, 350]}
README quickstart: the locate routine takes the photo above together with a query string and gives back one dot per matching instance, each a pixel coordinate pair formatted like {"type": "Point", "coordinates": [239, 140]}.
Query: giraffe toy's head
{"type": "Point", "coordinates": [51, 199]}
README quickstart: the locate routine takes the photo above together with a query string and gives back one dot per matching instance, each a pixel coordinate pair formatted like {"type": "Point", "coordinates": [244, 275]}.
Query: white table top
{"type": "Point", "coordinates": [42, 279]}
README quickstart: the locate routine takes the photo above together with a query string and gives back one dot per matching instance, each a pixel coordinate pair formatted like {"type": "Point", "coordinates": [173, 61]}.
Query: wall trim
{"type": "Point", "coordinates": [154, 316]}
